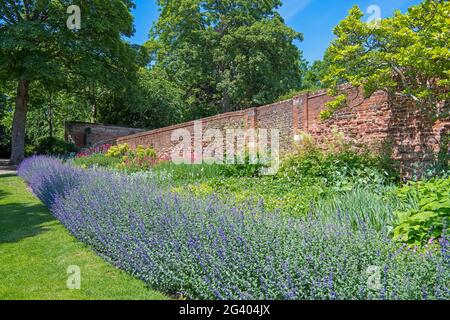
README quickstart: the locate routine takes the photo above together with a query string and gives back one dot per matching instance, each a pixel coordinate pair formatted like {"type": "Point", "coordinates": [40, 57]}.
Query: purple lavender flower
{"type": "Point", "coordinates": [209, 249]}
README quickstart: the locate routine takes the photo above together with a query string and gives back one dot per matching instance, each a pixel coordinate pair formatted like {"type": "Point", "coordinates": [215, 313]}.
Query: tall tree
{"type": "Point", "coordinates": [37, 45]}
{"type": "Point", "coordinates": [406, 55]}
{"type": "Point", "coordinates": [226, 55]}
{"type": "Point", "coordinates": [152, 101]}
{"type": "Point", "coordinates": [5, 143]}
{"type": "Point", "coordinates": [313, 75]}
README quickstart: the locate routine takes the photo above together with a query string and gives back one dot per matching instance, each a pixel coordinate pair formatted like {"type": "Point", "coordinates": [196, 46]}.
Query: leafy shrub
{"type": "Point", "coordinates": [289, 197]}
{"type": "Point", "coordinates": [118, 151]}
{"type": "Point", "coordinates": [440, 166]}
{"type": "Point", "coordinates": [97, 160]}
{"type": "Point", "coordinates": [246, 168]}
{"type": "Point", "coordinates": [443, 156]}
{"type": "Point", "coordinates": [429, 217]}
{"type": "Point", "coordinates": [206, 249]}
{"type": "Point", "coordinates": [133, 160]}
{"type": "Point", "coordinates": [53, 146]}
{"type": "Point", "coordinates": [337, 163]}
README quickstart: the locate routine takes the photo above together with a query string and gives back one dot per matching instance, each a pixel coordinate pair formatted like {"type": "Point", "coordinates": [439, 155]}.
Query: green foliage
{"type": "Point", "coordinates": [312, 78]}
{"type": "Point", "coordinates": [429, 217]}
{"type": "Point", "coordinates": [48, 111]}
{"type": "Point", "coordinates": [143, 159]}
{"type": "Point", "coordinates": [336, 163]}
{"type": "Point", "coordinates": [118, 151]}
{"type": "Point", "coordinates": [153, 101]}
{"type": "Point", "coordinates": [121, 157]}
{"type": "Point", "coordinates": [5, 125]}
{"type": "Point", "coordinates": [366, 206]}
{"type": "Point", "coordinates": [441, 166]}
{"type": "Point", "coordinates": [330, 107]}
{"type": "Point", "coordinates": [97, 160]}
{"type": "Point", "coordinates": [226, 55]}
{"type": "Point", "coordinates": [290, 197]}
{"type": "Point", "coordinates": [182, 174]}
{"type": "Point", "coordinates": [139, 159]}
{"type": "Point", "coordinates": [405, 55]}
{"type": "Point", "coordinates": [53, 146]}
{"type": "Point", "coordinates": [62, 50]}
{"type": "Point", "coordinates": [246, 167]}
{"type": "Point", "coordinates": [37, 47]}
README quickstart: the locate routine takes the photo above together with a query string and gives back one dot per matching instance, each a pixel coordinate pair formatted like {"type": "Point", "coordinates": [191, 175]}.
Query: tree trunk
{"type": "Point", "coordinates": [94, 112]}
{"type": "Point", "coordinates": [50, 117]}
{"type": "Point", "coordinates": [226, 104]}
{"type": "Point", "coordinates": [50, 122]}
{"type": "Point", "coordinates": [18, 128]}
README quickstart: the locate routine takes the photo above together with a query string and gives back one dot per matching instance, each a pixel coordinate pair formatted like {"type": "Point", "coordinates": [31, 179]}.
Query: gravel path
{"type": "Point", "coordinates": [7, 172]}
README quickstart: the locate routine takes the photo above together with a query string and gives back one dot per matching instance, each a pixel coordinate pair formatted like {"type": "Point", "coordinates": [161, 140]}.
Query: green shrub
{"type": "Point", "coordinates": [440, 167]}
{"type": "Point", "coordinates": [247, 168]}
{"type": "Point", "coordinates": [337, 163]}
{"type": "Point", "coordinates": [97, 159]}
{"type": "Point", "coordinates": [52, 146]}
{"type": "Point", "coordinates": [429, 216]}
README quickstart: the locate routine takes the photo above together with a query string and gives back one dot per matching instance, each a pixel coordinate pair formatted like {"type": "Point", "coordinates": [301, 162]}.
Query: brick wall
{"type": "Point", "coordinates": [380, 121]}
{"type": "Point", "coordinates": [161, 139]}
{"type": "Point", "coordinates": [89, 134]}
{"type": "Point", "coordinates": [372, 121]}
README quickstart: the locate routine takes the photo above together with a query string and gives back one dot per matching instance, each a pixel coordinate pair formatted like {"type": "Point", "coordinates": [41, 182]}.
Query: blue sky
{"type": "Point", "coordinates": [314, 18]}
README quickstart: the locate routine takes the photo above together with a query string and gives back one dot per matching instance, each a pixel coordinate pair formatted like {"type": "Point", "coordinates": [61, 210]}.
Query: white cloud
{"type": "Point", "coordinates": [291, 8]}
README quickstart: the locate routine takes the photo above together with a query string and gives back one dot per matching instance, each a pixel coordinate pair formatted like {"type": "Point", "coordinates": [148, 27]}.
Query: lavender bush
{"type": "Point", "coordinates": [206, 249]}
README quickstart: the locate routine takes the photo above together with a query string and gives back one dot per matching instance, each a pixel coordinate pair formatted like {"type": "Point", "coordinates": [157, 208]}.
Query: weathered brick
{"type": "Point", "coordinates": [370, 121]}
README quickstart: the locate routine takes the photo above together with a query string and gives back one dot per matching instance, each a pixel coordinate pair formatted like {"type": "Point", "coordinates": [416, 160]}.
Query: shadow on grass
{"type": "Point", "coordinates": [4, 193]}
{"type": "Point", "coordinates": [19, 220]}
{"type": "Point", "coordinates": [7, 175]}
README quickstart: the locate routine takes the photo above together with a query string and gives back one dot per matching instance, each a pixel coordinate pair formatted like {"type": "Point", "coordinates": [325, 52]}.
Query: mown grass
{"type": "Point", "coordinates": [36, 250]}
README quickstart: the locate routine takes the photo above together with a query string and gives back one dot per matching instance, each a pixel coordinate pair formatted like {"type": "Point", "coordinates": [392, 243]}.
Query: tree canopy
{"type": "Point", "coordinates": [37, 45]}
{"type": "Point", "coordinates": [226, 55]}
{"type": "Point", "coordinates": [151, 102]}
{"type": "Point", "coordinates": [406, 55]}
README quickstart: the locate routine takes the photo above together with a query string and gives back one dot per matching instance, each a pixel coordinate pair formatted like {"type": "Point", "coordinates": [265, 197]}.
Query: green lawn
{"type": "Point", "coordinates": [36, 250]}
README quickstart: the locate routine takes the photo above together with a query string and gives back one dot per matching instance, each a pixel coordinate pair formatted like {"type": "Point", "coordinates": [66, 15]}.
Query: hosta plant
{"type": "Point", "coordinates": [429, 216]}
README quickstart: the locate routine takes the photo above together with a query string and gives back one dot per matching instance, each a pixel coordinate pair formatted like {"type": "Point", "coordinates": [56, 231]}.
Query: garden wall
{"type": "Point", "coordinates": [84, 134]}
{"type": "Point", "coordinates": [375, 121]}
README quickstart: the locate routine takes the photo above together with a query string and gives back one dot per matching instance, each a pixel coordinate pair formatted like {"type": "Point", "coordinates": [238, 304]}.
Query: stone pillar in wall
{"type": "Point", "coordinates": [297, 102]}
{"type": "Point", "coordinates": [249, 124]}
{"type": "Point", "coordinates": [299, 115]}
{"type": "Point", "coordinates": [305, 113]}
{"type": "Point", "coordinates": [250, 118]}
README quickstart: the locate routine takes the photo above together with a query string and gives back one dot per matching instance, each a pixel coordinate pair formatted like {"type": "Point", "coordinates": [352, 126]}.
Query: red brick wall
{"type": "Point", "coordinates": [365, 121]}
{"type": "Point", "coordinates": [161, 139]}
{"type": "Point", "coordinates": [94, 134]}
{"type": "Point", "coordinates": [381, 120]}
{"type": "Point", "coordinates": [370, 121]}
